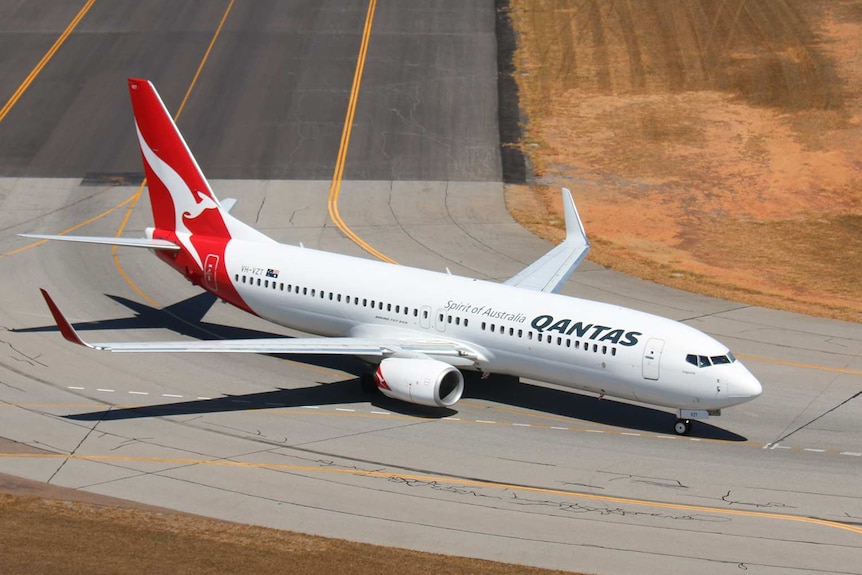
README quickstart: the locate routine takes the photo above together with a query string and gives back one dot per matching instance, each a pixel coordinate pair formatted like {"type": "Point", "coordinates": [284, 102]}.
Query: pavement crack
{"type": "Point", "coordinates": [822, 415]}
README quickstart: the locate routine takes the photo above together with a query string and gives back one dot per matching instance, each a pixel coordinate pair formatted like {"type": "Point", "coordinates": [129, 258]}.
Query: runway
{"type": "Point", "coordinates": [521, 473]}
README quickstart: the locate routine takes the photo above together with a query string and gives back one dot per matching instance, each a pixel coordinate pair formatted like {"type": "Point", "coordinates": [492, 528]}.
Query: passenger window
{"type": "Point", "coordinates": [483, 326]}
{"type": "Point", "coordinates": [613, 351]}
{"type": "Point", "coordinates": [258, 281]}
{"type": "Point", "coordinates": [465, 322]}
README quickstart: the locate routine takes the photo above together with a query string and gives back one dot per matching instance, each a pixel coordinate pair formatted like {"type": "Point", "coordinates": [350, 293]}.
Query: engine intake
{"type": "Point", "coordinates": [420, 381]}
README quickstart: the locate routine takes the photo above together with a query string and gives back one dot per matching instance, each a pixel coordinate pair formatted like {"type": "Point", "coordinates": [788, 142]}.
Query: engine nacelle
{"type": "Point", "coordinates": [420, 381]}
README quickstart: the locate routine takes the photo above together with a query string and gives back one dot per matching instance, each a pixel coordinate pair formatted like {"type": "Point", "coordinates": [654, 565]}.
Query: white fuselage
{"type": "Point", "coordinates": [577, 343]}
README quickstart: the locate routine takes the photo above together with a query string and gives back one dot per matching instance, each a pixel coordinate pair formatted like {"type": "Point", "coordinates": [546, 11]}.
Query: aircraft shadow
{"type": "Point", "coordinates": [186, 318]}
{"type": "Point", "coordinates": [339, 393]}
{"type": "Point", "coordinates": [509, 391]}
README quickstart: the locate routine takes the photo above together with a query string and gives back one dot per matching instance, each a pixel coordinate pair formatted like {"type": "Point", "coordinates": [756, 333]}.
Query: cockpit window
{"type": "Point", "coordinates": [704, 361]}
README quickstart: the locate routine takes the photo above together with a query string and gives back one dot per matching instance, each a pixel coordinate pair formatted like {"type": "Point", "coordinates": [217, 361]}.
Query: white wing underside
{"type": "Point", "coordinates": [550, 272]}
{"type": "Point", "coordinates": [367, 347]}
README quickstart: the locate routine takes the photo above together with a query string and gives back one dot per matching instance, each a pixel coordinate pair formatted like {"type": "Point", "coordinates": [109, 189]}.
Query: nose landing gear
{"type": "Point", "coordinates": [682, 426]}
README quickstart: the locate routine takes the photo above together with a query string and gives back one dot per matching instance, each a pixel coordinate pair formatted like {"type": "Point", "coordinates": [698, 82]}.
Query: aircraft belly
{"type": "Point", "coordinates": [596, 379]}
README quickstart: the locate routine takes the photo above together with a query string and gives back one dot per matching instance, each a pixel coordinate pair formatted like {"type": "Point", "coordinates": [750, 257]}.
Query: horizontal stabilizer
{"type": "Point", "coordinates": [129, 242]}
{"type": "Point", "coordinates": [550, 272]}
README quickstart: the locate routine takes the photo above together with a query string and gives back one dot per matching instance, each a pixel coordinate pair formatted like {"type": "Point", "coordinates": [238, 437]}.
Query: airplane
{"type": "Point", "coordinates": [418, 330]}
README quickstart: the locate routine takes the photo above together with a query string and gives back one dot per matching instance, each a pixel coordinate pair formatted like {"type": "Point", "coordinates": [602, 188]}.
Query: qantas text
{"type": "Point", "coordinates": [547, 323]}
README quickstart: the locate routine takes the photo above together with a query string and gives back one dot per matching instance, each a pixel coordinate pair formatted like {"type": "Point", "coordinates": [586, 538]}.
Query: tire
{"type": "Point", "coordinates": [682, 427]}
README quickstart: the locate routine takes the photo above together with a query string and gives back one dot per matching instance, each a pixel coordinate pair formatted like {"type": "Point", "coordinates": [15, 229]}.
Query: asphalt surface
{"type": "Point", "coordinates": [520, 473]}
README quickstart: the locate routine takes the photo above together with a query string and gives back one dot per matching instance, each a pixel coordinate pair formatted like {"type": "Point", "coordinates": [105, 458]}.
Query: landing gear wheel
{"type": "Point", "coordinates": [369, 385]}
{"type": "Point", "coordinates": [682, 426]}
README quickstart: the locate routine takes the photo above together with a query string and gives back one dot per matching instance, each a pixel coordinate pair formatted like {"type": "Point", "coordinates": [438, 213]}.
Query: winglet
{"type": "Point", "coordinates": [62, 323]}
{"type": "Point", "coordinates": [550, 272]}
{"type": "Point", "coordinates": [574, 226]}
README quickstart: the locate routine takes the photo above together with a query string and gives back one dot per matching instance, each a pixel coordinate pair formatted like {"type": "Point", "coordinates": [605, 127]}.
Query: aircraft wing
{"type": "Point", "coordinates": [279, 345]}
{"type": "Point", "coordinates": [551, 271]}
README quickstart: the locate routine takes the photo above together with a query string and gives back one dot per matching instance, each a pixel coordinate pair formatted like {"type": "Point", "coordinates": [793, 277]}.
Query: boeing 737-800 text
{"type": "Point", "coordinates": [418, 328]}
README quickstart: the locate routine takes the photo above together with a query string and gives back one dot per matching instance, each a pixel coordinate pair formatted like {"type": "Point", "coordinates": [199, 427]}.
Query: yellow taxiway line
{"type": "Point", "coordinates": [446, 480]}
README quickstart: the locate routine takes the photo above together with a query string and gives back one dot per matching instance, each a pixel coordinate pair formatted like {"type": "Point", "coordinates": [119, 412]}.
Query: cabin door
{"type": "Point", "coordinates": [211, 272]}
{"type": "Point", "coordinates": [652, 358]}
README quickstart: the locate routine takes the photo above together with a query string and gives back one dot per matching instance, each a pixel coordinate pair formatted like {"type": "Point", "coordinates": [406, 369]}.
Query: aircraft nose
{"type": "Point", "coordinates": [745, 386]}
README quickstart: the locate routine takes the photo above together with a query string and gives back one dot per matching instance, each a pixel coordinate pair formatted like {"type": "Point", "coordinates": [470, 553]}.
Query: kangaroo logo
{"type": "Point", "coordinates": [192, 210]}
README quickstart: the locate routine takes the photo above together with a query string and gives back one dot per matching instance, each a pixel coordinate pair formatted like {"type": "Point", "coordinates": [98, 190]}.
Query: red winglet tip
{"type": "Point", "coordinates": [63, 324]}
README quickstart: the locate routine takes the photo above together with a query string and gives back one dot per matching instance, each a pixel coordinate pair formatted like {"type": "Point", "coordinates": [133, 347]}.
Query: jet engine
{"type": "Point", "coordinates": [420, 381]}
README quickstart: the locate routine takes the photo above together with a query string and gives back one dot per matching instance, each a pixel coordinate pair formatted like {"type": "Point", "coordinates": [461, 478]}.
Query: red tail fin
{"type": "Point", "coordinates": [181, 198]}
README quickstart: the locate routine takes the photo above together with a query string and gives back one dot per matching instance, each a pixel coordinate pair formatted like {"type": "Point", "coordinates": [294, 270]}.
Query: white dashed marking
{"type": "Point", "coordinates": [343, 409]}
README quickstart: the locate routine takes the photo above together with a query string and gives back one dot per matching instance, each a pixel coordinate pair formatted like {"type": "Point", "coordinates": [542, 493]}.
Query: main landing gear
{"type": "Point", "coordinates": [682, 426]}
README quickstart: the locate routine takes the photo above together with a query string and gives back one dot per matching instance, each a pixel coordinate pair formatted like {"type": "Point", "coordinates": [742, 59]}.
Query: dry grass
{"type": "Point", "coordinates": [53, 536]}
{"type": "Point", "coordinates": [711, 145]}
